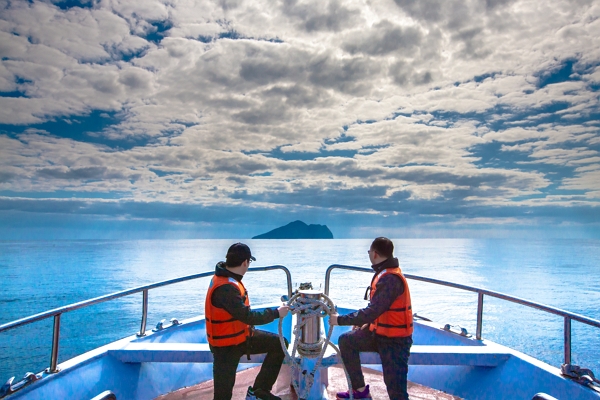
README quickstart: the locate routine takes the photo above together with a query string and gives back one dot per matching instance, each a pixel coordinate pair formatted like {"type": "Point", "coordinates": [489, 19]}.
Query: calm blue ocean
{"type": "Point", "coordinates": [40, 275]}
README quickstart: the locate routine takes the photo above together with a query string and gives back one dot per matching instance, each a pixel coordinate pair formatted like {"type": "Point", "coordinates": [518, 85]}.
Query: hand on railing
{"type": "Point", "coordinates": [283, 310]}
{"type": "Point", "coordinates": [333, 319]}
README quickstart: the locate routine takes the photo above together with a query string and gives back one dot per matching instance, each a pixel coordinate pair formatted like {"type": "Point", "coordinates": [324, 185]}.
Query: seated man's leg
{"type": "Point", "coordinates": [226, 360]}
{"type": "Point", "coordinates": [394, 353]}
{"type": "Point", "coordinates": [351, 344]}
{"type": "Point", "coordinates": [267, 342]}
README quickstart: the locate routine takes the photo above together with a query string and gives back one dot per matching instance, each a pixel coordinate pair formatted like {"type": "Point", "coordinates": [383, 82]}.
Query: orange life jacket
{"type": "Point", "coordinates": [397, 321]}
{"type": "Point", "coordinates": [221, 328]}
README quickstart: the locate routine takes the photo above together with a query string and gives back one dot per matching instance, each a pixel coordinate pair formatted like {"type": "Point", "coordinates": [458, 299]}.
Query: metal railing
{"type": "Point", "coordinates": [57, 312]}
{"type": "Point", "coordinates": [568, 316]}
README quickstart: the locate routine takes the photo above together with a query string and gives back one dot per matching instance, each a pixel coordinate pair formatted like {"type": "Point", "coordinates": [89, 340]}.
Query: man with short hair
{"type": "Point", "coordinates": [385, 326]}
{"type": "Point", "coordinates": [230, 328]}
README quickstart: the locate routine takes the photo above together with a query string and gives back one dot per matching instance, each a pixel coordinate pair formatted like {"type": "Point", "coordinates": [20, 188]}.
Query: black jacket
{"type": "Point", "coordinates": [229, 298]}
{"type": "Point", "coordinates": [389, 287]}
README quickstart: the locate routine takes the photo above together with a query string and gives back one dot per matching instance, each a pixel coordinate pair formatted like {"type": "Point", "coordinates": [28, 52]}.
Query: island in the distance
{"type": "Point", "coordinates": [298, 230]}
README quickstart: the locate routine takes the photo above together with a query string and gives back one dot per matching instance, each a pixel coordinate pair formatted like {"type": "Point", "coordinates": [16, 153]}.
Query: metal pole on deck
{"type": "Point", "coordinates": [144, 313]}
{"type": "Point", "coordinates": [479, 316]}
{"type": "Point", "coordinates": [55, 339]}
{"type": "Point", "coordinates": [567, 340]}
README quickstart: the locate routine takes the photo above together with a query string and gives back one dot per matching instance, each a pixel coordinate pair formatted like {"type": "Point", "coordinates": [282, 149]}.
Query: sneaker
{"type": "Point", "coordinates": [265, 395]}
{"type": "Point", "coordinates": [250, 394]}
{"type": "Point", "coordinates": [355, 393]}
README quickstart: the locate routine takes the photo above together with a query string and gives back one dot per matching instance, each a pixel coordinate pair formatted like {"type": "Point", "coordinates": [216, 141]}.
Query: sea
{"type": "Point", "coordinates": [41, 275]}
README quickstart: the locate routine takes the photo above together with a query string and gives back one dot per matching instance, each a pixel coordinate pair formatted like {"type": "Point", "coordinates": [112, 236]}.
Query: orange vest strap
{"type": "Point", "coordinates": [394, 326]}
{"type": "Point", "coordinates": [216, 321]}
{"type": "Point", "coordinates": [229, 336]}
{"type": "Point", "coordinates": [400, 309]}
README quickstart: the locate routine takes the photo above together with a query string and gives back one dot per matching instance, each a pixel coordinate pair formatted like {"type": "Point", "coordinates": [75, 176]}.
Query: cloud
{"type": "Point", "coordinates": [85, 173]}
{"type": "Point", "coordinates": [383, 39]}
{"type": "Point", "coordinates": [330, 15]}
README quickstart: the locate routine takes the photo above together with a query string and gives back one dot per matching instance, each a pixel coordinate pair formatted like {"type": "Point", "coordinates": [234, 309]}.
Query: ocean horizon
{"type": "Point", "coordinates": [41, 275]}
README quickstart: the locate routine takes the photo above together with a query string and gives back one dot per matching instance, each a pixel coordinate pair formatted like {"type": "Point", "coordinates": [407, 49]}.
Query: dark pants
{"type": "Point", "coordinates": [226, 360]}
{"type": "Point", "coordinates": [394, 353]}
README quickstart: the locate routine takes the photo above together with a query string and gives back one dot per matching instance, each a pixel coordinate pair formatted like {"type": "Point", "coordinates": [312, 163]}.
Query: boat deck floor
{"type": "Point", "coordinates": [282, 388]}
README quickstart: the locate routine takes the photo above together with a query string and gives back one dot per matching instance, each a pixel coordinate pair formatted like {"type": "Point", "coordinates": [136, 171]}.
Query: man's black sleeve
{"type": "Point", "coordinates": [387, 290]}
{"type": "Point", "coordinates": [230, 298]}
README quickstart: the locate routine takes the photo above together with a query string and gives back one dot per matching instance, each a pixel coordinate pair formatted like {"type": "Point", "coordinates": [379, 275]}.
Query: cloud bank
{"type": "Point", "coordinates": [219, 118]}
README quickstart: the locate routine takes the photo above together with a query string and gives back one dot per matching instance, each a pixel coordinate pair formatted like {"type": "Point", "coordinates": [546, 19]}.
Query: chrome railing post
{"type": "Point", "coordinates": [479, 316]}
{"type": "Point", "coordinates": [288, 276]}
{"type": "Point", "coordinates": [144, 313]}
{"type": "Point", "coordinates": [327, 277]}
{"type": "Point", "coordinates": [55, 339]}
{"type": "Point", "coordinates": [567, 335]}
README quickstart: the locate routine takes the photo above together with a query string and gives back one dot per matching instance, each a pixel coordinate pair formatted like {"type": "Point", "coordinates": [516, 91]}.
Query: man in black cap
{"type": "Point", "coordinates": [230, 328]}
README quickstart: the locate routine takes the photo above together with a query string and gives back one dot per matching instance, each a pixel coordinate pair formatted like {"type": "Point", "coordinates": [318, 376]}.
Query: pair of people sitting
{"type": "Point", "coordinates": [384, 326]}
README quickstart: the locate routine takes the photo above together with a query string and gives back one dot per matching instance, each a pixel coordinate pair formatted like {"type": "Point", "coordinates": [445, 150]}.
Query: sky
{"type": "Point", "coordinates": [143, 119]}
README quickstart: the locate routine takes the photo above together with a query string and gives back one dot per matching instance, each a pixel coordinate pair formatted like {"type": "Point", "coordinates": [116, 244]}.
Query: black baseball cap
{"type": "Point", "coordinates": [237, 254]}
